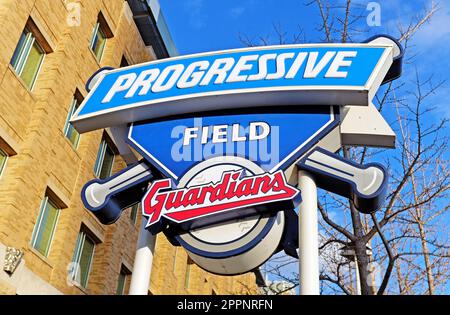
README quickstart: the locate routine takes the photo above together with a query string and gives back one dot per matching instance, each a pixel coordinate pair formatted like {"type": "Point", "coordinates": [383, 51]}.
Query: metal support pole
{"type": "Point", "coordinates": [142, 268]}
{"type": "Point", "coordinates": [308, 236]}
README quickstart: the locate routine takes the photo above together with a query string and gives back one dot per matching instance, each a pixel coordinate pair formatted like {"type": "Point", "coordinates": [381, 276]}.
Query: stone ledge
{"type": "Point", "coordinates": [23, 280]}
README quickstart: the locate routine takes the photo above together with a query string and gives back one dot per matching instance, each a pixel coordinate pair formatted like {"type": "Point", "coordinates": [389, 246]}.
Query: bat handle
{"type": "Point", "coordinates": [107, 197]}
{"type": "Point", "coordinates": [366, 179]}
{"type": "Point", "coordinates": [365, 184]}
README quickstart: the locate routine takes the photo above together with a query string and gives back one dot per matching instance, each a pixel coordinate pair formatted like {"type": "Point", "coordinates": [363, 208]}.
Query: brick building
{"type": "Point", "coordinates": [49, 49]}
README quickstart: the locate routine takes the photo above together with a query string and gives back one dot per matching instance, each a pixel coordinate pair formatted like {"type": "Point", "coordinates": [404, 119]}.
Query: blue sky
{"type": "Point", "coordinates": [205, 25]}
{"type": "Point", "coordinates": [208, 25]}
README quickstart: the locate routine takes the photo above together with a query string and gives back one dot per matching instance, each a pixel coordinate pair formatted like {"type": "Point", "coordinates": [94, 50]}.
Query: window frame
{"type": "Point", "coordinates": [67, 125]}
{"type": "Point", "coordinates": [81, 239]}
{"type": "Point", "coordinates": [121, 285]}
{"type": "Point", "coordinates": [126, 273]}
{"type": "Point", "coordinates": [134, 217]}
{"type": "Point", "coordinates": [38, 224]}
{"type": "Point", "coordinates": [104, 145]}
{"type": "Point", "coordinates": [98, 28]}
{"type": "Point", "coordinates": [3, 164]}
{"type": "Point", "coordinates": [19, 60]}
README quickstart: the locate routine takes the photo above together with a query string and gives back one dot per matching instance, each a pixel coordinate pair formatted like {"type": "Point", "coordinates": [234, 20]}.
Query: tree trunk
{"type": "Point", "coordinates": [361, 253]}
{"type": "Point", "coordinates": [426, 256]}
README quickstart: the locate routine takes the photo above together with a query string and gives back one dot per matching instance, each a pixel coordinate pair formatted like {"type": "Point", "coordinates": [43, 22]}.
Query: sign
{"type": "Point", "coordinates": [313, 74]}
{"type": "Point", "coordinates": [219, 133]}
{"type": "Point", "coordinates": [272, 137]}
{"type": "Point", "coordinates": [365, 184]}
{"type": "Point", "coordinates": [234, 190]}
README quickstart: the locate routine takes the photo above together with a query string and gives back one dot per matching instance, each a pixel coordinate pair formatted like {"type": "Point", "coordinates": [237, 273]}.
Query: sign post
{"type": "Point", "coordinates": [308, 236]}
{"type": "Point", "coordinates": [143, 261]}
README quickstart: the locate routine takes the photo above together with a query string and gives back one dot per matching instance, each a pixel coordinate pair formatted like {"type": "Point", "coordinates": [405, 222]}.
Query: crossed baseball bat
{"type": "Point", "coordinates": [364, 184]}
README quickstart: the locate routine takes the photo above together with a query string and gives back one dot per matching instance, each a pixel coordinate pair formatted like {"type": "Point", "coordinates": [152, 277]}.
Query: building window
{"type": "Point", "coordinates": [121, 283]}
{"type": "Point", "coordinates": [123, 280]}
{"type": "Point", "coordinates": [69, 131]}
{"type": "Point", "coordinates": [3, 158]}
{"type": "Point", "coordinates": [28, 57]}
{"type": "Point", "coordinates": [83, 256]}
{"type": "Point", "coordinates": [98, 41]}
{"type": "Point", "coordinates": [105, 160]}
{"type": "Point", "coordinates": [187, 276]}
{"type": "Point", "coordinates": [45, 226]}
{"type": "Point", "coordinates": [124, 62]}
{"type": "Point", "coordinates": [134, 212]}
{"type": "Point", "coordinates": [100, 35]}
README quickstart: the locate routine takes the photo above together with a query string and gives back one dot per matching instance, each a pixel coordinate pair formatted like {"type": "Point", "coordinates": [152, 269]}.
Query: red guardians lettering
{"type": "Point", "coordinates": [231, 192]}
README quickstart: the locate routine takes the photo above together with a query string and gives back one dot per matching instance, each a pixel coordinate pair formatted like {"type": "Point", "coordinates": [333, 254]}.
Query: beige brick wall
{"type": "Point", "coordinates": [6, 289]}
{"type": "Point", "coordinates": [31, 122]}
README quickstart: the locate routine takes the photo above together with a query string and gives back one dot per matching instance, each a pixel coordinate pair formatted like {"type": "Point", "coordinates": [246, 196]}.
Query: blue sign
{"type": "Point", "coordinates": [218, 131]}
{"type": "Point", "coordinates": [320, 74]}
{"type": "Point", "coordinates": [273, 140]}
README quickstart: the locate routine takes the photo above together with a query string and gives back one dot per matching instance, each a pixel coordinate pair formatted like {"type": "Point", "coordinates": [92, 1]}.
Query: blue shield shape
{"type": "Point", "coordinates": [176, 145]}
